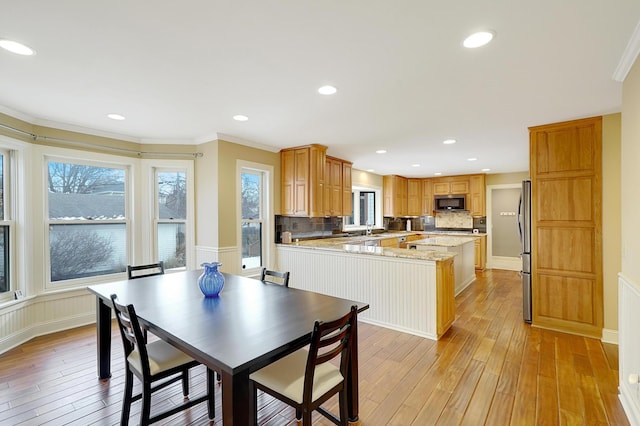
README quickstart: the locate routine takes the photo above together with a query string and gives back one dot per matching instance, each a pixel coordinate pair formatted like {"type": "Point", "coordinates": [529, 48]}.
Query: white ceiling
{"type": "Point", "coordinates": [179, 71]}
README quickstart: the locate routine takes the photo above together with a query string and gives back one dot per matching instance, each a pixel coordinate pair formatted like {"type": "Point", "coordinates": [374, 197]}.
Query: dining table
{"type": "Point", "coordinates": [247, 326]}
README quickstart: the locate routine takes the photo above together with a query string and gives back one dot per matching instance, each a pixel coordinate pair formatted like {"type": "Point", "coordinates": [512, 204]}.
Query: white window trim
{"type": "Point", "coordinates": [268, 245]}
{"type": "Point", "coordinates": [99, 160]}
{"type": "Point", "coordinates": [356, 189]}
{"type": "Point", "coordinates": [147, 251]}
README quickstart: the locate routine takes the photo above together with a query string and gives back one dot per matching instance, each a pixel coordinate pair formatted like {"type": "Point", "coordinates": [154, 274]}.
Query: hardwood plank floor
{"type": "Point", "coordinates": [489, 368]}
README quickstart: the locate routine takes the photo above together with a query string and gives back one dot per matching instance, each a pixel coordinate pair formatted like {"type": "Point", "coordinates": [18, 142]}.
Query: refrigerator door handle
{"type": "Point", "coordinates": [519, 219]}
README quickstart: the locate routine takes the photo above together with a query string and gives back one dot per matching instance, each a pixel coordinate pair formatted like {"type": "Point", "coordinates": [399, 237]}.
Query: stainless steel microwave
{"type": "Point", "coordinates": [450, 202]}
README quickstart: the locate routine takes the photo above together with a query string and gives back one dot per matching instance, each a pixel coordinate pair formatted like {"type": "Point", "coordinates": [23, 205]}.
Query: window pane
{"type": "Point", "coordinates": [171, 244]}
{"type": "Point", "coordinates": [5, 285]}
{"type": "Point", "coordinates": [85, 192]}
{"type": "Point", "coordinates": [367, 208]}
{"type": "Point", "coordinates": [78, 250]}
{"type": "Point", "coordinates": [172, 195]}
{"type": "Point", "coordinates": [251, 190]}
{"type": "Point", "coordinates": [251, 245]}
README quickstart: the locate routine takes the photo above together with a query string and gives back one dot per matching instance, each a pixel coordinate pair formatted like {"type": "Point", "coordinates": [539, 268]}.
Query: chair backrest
{"type": "Point", "coordinates": [329, 340]}
{"type": "Point", "coordinates": [274, 277]}
{"type": "Point", "coordinates": [131, 333]}
{"type": "Point", "coordinates": [140, 271]}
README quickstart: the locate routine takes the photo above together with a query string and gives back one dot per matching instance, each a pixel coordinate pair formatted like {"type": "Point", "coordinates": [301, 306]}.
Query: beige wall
{"type": "Point", "coordinates": [630, 176]}
{"type": "Point", "coordinates": [506, 178]}
{"type": "Point", "coordinates": [366, 179]}
{"type": "Point", "coordinates": [611, 234]}
{"type": "Point", "coordinates": [228, 155]}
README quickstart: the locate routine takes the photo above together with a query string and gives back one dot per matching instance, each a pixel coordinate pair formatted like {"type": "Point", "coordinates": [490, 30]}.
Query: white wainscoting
{"type": "Point", "coordinates": [629, 347]}
{"type": "Point", "coordinates": [228, 256]}
{"type": "Point", "coordinates": [27, 318]}
{"type": "Point", "coordinates": [401, 293]}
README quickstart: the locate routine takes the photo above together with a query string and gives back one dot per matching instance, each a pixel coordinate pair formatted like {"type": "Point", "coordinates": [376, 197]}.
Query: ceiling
{"type": "Point", "coordinates": [179, 72]}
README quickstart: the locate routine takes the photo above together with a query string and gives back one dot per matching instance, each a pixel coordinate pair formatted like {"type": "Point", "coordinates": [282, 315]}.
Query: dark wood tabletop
{"type": "Point", "coordinates": [248, 326]}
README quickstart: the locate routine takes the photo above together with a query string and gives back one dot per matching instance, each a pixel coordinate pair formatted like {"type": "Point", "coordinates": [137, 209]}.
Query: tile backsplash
{"type": "Point", "coordinates": [307, 227]}
{"type": "Point", "coordinates": [454, 220]}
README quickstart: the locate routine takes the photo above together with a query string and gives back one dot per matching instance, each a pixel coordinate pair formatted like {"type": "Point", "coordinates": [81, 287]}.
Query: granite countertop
{"type": "Point", "coordinates": [444, 241]}
{"type": "Point", "coordinates": [356, 245]}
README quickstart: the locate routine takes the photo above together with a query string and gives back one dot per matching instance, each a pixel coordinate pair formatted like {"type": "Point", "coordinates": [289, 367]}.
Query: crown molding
{"type": "Point", "coordinates": [629, 56]}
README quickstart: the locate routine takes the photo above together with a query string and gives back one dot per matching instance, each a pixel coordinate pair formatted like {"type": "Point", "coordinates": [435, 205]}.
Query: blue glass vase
{"type": "Point", "coordinates": [211, 281]}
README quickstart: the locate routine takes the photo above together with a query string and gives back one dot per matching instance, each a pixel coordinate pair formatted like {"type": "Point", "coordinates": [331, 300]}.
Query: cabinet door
{"type": "Point", "coordinates": [414, 197]}
{"type": "Point", "coordinates": [427, 197]}
{"type": "Point", "coordinates": [301, 182]}
{"type": "Point", "coordinates": [476, 197]}
{"type": "Point", "coordinates": [347, 197]}
{"type": "Point", "coordinates": [401, 198]}
{"type": "Point", "coordinates": [459, 187]}
{"type": "Point", "coordinates": [566, 175]}
{"type": "Point", "coordinates": [287, 162]}
{"type": "Point", "coordinates": [445, 296]}
{"type": "Point", "coordinates": [441, 188]}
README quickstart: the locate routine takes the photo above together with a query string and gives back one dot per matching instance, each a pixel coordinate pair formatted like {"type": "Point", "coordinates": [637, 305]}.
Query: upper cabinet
{"type": "Point", "coordinates": [451, 185]}
{"type": "Point", "coordinates": [314, 184]}
{"type": "Point", "coordinates": [476, 197]}
{"type": "Point", "coordinates": [427, 197]}
{"type": "Point", "coordinates": [337, 189]}
{"type": "Point", "coordinates": [303, 174]}
{"type": "Point", "coordinates": [395, 195]}
{"type": "Point", "coordinates": [414, 197]}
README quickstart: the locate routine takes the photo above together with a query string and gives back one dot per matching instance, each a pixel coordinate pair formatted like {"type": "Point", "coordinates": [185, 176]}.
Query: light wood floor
{"type": "Point", "coordinates": [490, 368]}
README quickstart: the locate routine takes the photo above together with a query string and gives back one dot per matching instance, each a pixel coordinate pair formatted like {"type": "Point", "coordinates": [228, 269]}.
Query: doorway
{"type": "Point", "coordinates": [503, 241]}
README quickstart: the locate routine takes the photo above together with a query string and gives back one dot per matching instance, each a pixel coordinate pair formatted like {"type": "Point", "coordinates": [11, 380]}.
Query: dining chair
{"type": "Point", "coordinates": [306, 379]}
{"type": "Point", "coordinates": [274, 277]}
{"type": "Point", "coordinates": [139, 271]}
{"type": "Point", "coordinates": [152, 362]}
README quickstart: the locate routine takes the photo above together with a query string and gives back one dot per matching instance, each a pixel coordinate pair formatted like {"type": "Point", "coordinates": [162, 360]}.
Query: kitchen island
{"type": "Point", "coordinates": [464, 262]}
{"type": "Point", "coordinates": [407, 290]}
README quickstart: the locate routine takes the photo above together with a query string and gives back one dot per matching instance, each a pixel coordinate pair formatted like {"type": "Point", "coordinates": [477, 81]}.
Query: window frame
{"type": "Point", "coordinates": [9, 192]}
{"type": "Point", "coordinates": [110, 162]}
{"type": "Point", "coordinates": [355, 199]}
{"type": "Point", "coordinates": [169, 167]}
{"type": "Point", "coordinates": [267, 212]}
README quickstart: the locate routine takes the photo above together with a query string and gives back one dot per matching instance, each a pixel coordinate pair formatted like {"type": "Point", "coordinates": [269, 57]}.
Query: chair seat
{"type": "Point", "coordinates": [162, 357]}
{"type": "Point", "coordinates": [286, 376]}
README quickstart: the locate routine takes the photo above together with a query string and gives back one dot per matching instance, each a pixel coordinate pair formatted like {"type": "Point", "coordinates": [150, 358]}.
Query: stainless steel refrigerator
{"type": "Point", "coordinates": [524, 229]}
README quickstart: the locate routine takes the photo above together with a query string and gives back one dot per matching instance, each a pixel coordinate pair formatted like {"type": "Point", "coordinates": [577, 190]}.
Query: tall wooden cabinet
{"type": "Point", "coordinates": [302, 181]}
{"type": "Point", "coordinates": [414, 197]}
{"type": "Point", "coordinates": [566, 175]}
{"type": "Point", "coordinates": [476, 197]}
{"type": "Point", "coordinates": [337, 188]}
{"type": "Point", "coordinates": [395, 195]}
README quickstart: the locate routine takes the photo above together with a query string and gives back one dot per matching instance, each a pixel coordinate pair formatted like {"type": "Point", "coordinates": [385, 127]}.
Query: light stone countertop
{"type": "Point", "coordinates": [443, 241]}
{"type": "Point", "coordinates": [356, 245]}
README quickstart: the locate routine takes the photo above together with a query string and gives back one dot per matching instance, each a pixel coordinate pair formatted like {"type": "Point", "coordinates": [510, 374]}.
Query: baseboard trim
{"type": "Point", "coordinates": [609, 336]}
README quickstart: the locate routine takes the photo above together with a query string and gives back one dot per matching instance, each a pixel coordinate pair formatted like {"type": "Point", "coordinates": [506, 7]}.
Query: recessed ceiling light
{"type": "Point", "coordinates": [486, 170]}
{"type": "Point", "coordinates": [437, 173]}
{"type": "Point", "coordinates": [327, 90]}
{"type": "Point", "coordinates": [415, 165]}
{"type": "Point", "coordinates": [472, 159]}
{"type": "Point", "coordinates": [381, 151]}
{"type": "Point", "coordinates": [449, 141]}
{"type": "Point", "coordinates": [478, 39]}
{"type": "Point", "coordinates": [240, 117]}
{"type": "Point", "coordinates": [17, 48]}
{"type": "Point", "coordinates": [370, 170]}
{"type": "Point", "coordinates": [116, 116]}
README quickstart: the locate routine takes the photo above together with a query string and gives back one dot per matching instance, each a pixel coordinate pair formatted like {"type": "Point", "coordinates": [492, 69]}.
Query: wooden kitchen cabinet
{"type": "Point", "coordinates": [476, 198]}
{"type": "Point", "coordinates": [347, 197]}
{"type": "Point", "coordinates": [451, 185]}
{"type": "Point", "coordinates": [566, 238]}
{"type": "Point", "coordinates": [302, 180]}
{"type": "Point", "coordinates": [427, 197]}
{"type": "Point", "coordinates": [395, 195]}
{"type": "Point", "coordinates": [333, 187]}
{"type": "Point", "coordinates": [414, 197]}
{"type": "Point", "coordinates": [480, 253]}
{"type": "Point", "coordinates": [445, 296]}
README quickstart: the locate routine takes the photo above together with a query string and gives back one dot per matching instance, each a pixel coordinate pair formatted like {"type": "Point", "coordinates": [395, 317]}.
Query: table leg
{"type": "Point", "coordinates": [103, 326]}
{"type": "Point", "coordinates": [352, 378]}
{"type": "Point", "coordinates": [237, 401]}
